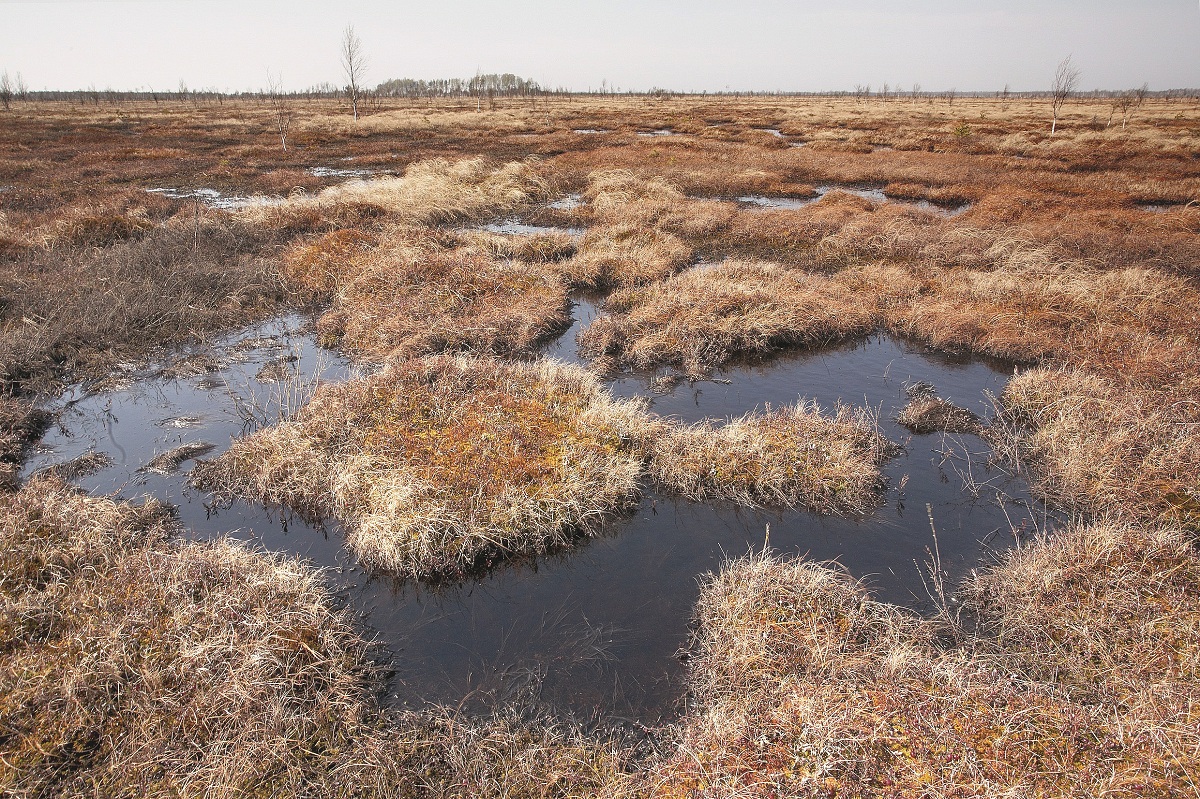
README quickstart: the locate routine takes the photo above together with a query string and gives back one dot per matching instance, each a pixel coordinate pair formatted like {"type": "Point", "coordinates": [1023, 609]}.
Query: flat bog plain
{"type": "Point", "coordinates": [600, 446]}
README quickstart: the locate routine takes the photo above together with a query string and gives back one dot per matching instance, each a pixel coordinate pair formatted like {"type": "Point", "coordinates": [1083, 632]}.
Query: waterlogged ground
{"type": "Point", "coordinates": [595, 630]}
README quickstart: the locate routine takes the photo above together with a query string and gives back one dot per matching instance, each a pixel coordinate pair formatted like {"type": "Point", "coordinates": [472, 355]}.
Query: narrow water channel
{"type": "Point", "coordinates": [593, 631]}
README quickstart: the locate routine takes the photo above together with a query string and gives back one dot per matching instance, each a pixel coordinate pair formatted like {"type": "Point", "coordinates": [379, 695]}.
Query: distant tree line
{"type": "Point", "coordinates": [489, 85]}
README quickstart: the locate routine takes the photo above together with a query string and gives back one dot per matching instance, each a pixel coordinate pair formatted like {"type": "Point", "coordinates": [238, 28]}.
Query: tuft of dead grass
{"type": "Point", "coordinates": [927, 413]}
{"type": "Point", "coordinates": [1098, 445]}
{"type": "Point", "coordinates": [704, 317]}
{"type": "Point", "coordinates": [431, 192]}
{"type": "Point", "coordinates": [793, 456]}
{"type": "Point", "coordinates": [436, 465]}
{"type": "Point", "coordinates": [134, 664]}
{"type": "Point", "coordinates": [807, 687]}
{"type": "Point", "coordinates": [624, 254]}
{"type": "Point", "coordinates": [131, 663]}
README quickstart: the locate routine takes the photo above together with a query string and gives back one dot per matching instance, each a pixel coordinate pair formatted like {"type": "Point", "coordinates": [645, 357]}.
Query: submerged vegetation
{"type": "Point", "coordinates": [134, 663]}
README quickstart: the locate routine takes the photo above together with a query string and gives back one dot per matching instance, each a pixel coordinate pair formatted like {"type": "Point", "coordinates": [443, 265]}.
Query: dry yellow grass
{"type": "Point", "coordinates": [437, 465]}
{"type": "Point", "coordinates": [793, 456]}
{"type": "Point", "coordinates": [807, 687]}
{"type": "Point", "coordinates": [700, 319]}
{"type": "Point", "coordinates": [444, 301]}
{"type": "Point", "coordinates": [430, 192]}
{"type": "Point", "coordinates": [134, 664]}
{"type": "Point", "coordinates": [1082, 682]}
{"type": "Point", "coordinates": [440, 466]}
{"type": "Point", "coordinates": [1099, 446]}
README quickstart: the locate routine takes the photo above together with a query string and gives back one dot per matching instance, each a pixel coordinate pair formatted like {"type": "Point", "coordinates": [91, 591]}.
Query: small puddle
{"type": "Point", "coordinates": [776, 132]}
{"type": "Point", "coordinates": [594, 630]}
{"type": "Point", "coordinates": [1162, 208]}
{"type": "Point", "coordinates": [567, 203]}
{"type": "Point", "coordinates": [515, 227]}
{"type": "Point", "coordinates": [589, 131]}
{"type": "Point", "coordinates": [214, 199]}
{"type": "Point", "coordinates": [659, 132]}
{"type": "Point", "coordinates": [334, 172]}
{"type": "Point", "coordinates": [875, 195]}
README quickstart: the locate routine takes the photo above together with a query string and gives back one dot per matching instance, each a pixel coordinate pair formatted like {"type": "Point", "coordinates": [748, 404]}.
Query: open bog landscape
{"type": "Point", "coordinates": [563, 444]}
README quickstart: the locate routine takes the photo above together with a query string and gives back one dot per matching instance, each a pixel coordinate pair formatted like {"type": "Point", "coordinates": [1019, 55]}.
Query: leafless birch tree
{"type": "Point", "coordinates": [354, 64]}
{"type": "Point", "coordinates": [281, 107]}
{"type": "Point", "coordinates": [1066, 78]}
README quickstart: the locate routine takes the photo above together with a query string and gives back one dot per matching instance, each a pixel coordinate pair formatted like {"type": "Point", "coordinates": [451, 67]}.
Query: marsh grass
{"type": "Point", "coordinates": [74, 313]}
{"type": "Point", "coordinates": [407, 305]}
{"type": "Point", "coordinates": [807, 687]}
{"type": "Point", "coordinates": [704, 317]}
{"type": "Point", "coordinates": [437, 465]}
{"type": "Point", "coordinates": [430, 192]}
{"type": "Point", "coordinates": [789, 456]}
{"type": "Point", "coordinates": [134, 664]}
{"type": "Point", "coordinates": [927, 413]}
{"type": "Point", "coordinates": [1081, 679]}
{"type": "Point", "coordinates": [1099, 445]}
{"type": "Point", "coordinates": [441, 466]}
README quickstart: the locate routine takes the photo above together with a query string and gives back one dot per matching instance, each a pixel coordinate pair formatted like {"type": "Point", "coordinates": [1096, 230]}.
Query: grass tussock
{"type": "Point", "coordinates": [927, 413]}
{"type": "Point", "coordinates": [430, 302]}
{"type": "Point", "coordinates": [436, 465]}
{"type": "Point", "coordinates": [704, 317]}
{"type": "Point", "coordinates": [1110, 610]}
{"type": "Point", "coordinates": [134, 664]}
{"type": "Point", "coordinates": [532, 248]}
{"type": "Point", "coordinates": [431, 192]}
{"type": "Point", "coordinates": [439, 753]}
{"type": "Point", "coordinates": [793, 456]}
{"type": "Point", "coordinates": [807, 687]}
{"type": "Point", "coordinates": [74, 313]}
{"type": "Point", "coordinates": [624, 254]}
{"type": "Point", "coordinates": [1097, 445]}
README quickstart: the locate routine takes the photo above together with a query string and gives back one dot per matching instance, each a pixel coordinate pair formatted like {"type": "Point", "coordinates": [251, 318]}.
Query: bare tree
{"type": "Point", "coordinates": [950, 95]}
{"type": "Point", "coordinates": [916, 92]}
{"type": "Point", "coordinates": [281, 107]}
{"type": "Point", "coordinates": [1127, 102]}
{"type": "Point", "coordinates": [22, 89]}
{"type": "Point", "coordinates": [354, 64]}
{"type": "Point", "coordinates": [5, 90]}
{"type": "Point", "coordinates": [1066, 78]}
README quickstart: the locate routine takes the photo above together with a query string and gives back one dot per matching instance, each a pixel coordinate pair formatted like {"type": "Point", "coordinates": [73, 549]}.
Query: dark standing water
{"type": "Point", "coordinates": [594, 630]}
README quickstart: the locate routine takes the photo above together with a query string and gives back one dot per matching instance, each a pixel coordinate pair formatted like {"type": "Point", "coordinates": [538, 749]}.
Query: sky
{"type": "Point", "coordinates": [682, 45]}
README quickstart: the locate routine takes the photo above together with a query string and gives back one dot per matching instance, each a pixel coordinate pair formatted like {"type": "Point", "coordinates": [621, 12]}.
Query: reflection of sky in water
{"type": "Point", "coordinates": [594, 629]}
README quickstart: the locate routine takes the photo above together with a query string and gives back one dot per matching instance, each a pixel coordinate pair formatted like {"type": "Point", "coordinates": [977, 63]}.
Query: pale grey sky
{"type": "Point", "coordinates": [697, 45]}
